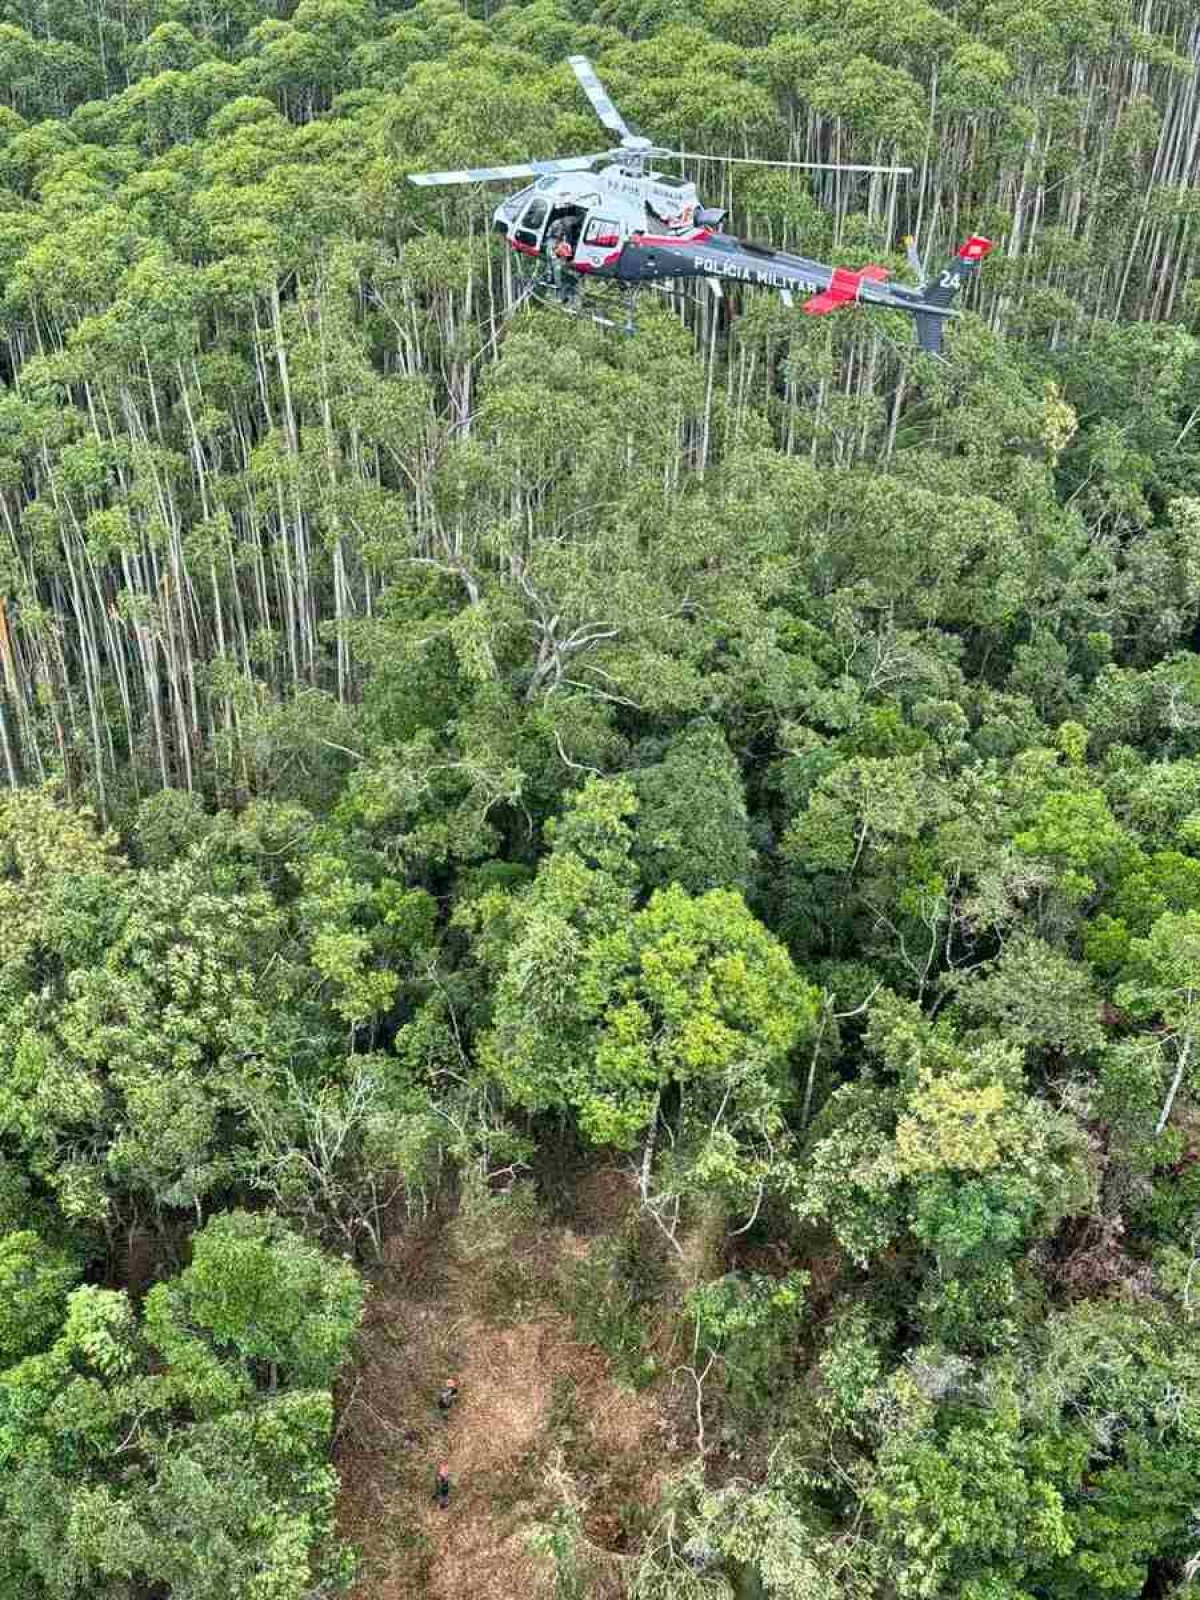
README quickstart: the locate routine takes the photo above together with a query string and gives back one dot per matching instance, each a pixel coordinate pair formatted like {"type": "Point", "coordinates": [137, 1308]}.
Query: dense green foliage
{"type": "Point", "coordinates": [433, 739]}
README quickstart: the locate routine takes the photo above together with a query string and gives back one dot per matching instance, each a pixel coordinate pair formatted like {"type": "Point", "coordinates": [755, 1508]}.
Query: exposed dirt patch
{"type": "Point", "coordinates": [540, 1420]}
{"type": "Point", "coordinates": [601, 1197]}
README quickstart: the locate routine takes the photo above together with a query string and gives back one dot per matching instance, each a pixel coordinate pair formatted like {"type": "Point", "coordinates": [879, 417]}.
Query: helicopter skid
{"type": "Point", "coordinates": [567, 296]}
{"type": "Point", "coordinates": [573, 308]}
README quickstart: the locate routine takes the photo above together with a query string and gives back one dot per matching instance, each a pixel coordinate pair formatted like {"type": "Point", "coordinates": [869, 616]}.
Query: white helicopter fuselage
{"type": "Point", "coordinates": [611, 205]}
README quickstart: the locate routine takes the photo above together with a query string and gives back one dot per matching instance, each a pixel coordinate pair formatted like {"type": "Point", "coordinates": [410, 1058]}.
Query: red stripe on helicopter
{"type": "Point", "coordinates": [697, 236]}
{"type": "Point", "coordinates": [594, 266]}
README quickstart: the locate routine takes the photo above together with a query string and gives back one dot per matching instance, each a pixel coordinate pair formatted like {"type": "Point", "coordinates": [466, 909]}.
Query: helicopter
{"type": "Point", "coordinates": [612, 215]}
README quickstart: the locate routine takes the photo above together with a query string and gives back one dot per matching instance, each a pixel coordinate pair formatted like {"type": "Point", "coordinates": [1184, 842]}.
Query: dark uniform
{"type": "Point", "coordinates": [447, 1394]}
{"type": "Point", "coordinates": [441, 1487]}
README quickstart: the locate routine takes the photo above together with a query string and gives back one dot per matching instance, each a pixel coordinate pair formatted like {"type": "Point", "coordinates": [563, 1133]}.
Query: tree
{"type": "Point", "coordinates": [36, 1280]}
{"type": "Point", "coordinates": [1039, 999]}
{"type": "Point", "coordinates": [965, 1509]}
{"type": "Point", "coordinates": [746, 1324]}
{"type": "Point", "coordinates": [140, 1454]}
{"type": "Point", "coordinates": [439, 737]}
{"type": "Point", "coordinates": [692, 825]}
{"type": "Point", "coordinates": [1163, 983]}
{"type": "Point", "coordinates": [685, 990]}
{"type": "Point", "coordinates": [258, 1289]}
{"type": "Point", "coordinates": [682, 1015]}
{"type": "Point", "coordinates": [944, 1145]}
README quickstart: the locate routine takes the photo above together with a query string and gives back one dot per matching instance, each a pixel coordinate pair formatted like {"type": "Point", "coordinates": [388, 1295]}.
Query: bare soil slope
{"type": "Point", "coordinates": [540, 1422]}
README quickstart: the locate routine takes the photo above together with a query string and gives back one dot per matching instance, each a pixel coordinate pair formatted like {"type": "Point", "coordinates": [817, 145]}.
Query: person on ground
{"type": "Point", "coordinates": [441, 1487]}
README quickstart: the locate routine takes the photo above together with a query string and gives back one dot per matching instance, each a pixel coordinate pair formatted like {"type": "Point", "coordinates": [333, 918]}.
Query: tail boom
{"type": "Point", "coordinates": [720, 256]}
{"type": "Point", "coordinates": [929, 306]}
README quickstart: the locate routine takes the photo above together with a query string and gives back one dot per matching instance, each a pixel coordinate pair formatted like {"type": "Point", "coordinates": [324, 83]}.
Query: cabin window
{"type": "Point", "coordinates": [602, 232]}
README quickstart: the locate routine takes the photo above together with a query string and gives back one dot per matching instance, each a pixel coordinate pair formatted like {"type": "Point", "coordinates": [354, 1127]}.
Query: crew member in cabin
{"type": "Point", "coordinates": [561, 238]}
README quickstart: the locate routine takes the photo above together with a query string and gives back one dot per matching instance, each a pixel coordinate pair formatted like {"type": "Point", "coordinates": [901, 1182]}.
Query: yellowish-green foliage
{"type": "Point", "coordinates": [45, 849]}
{"type": "Point", "coordinates": [953, 1124]}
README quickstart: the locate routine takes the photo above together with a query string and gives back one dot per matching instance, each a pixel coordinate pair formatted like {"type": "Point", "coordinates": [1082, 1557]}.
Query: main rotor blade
{"type": "Point", "coordinates": [527, 169]}
{"type": "Point", "coordinates": [571, 163]}
{"type": "Point", "coordinates": [798, 166]}
{"type": "Point", "coordinates": [596, 93]}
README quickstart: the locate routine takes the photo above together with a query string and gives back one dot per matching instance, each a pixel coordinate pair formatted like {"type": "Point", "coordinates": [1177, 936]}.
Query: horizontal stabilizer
{"type": "Point", "coordinates": [845, 286]}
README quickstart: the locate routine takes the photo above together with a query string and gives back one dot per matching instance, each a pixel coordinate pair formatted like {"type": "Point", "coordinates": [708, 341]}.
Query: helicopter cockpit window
{"type": "Point", "coordinates": [511, 207]}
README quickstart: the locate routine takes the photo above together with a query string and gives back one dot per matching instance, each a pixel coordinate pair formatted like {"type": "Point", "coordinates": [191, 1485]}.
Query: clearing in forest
{"type": "Point", "coordinates": [541, 1422]}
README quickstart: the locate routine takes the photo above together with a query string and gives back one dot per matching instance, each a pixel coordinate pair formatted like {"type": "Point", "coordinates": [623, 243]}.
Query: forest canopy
{"type": "Point", "coordinates": [452, 754]}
